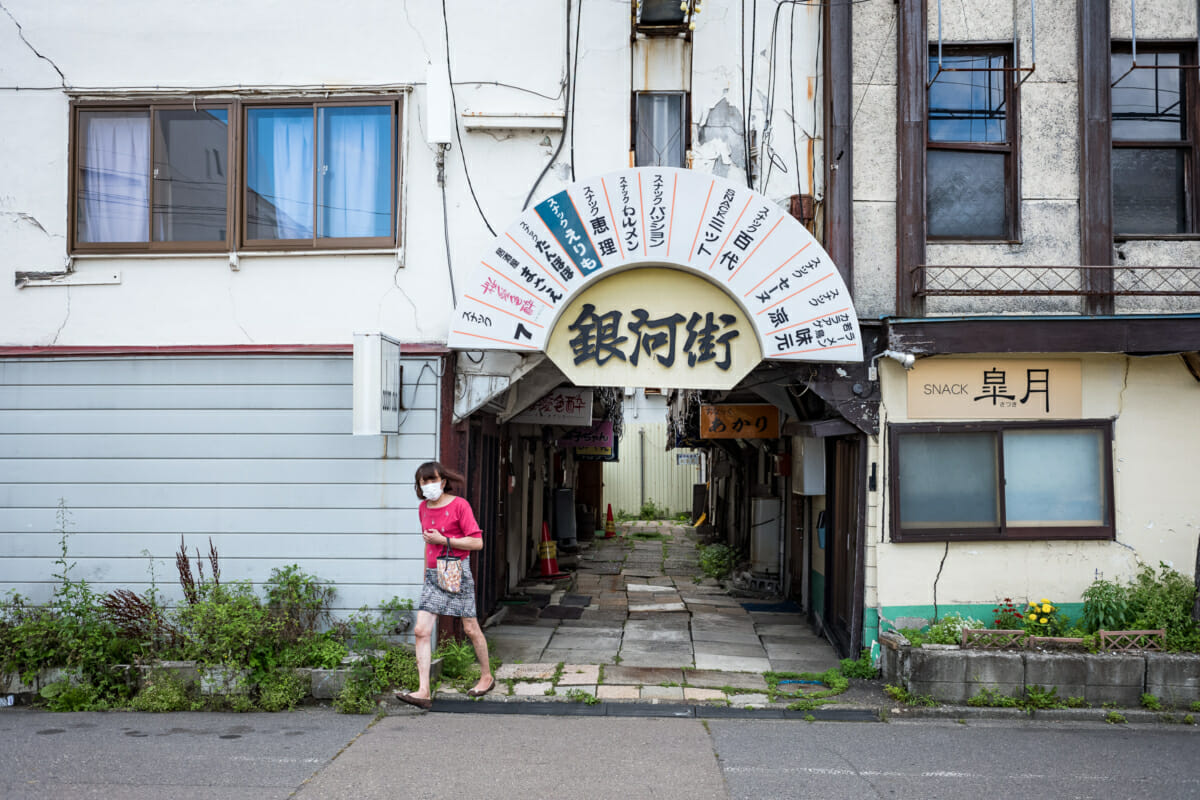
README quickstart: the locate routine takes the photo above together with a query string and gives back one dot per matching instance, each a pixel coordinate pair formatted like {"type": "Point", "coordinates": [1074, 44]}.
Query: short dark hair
{"type": "Point", "coordinates": [430, 470]}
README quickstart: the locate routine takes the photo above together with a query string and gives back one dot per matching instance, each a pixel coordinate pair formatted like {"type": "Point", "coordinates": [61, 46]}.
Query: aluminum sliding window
{"type": "Point", "coordinates": [1001, 481]}
{"type": "Point", "coordinates": [211, 176]}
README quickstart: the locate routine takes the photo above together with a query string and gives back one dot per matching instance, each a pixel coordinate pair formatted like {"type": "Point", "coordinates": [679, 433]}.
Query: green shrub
{"type": "Point", "coordinates": [1041, 697]}
{"type": "Point", "coordinates": [458, 658]}
{"type": "Point", "coordinates": [1165, 601]}
{"type": "Point", "coordinates": [1150, 702]}
{"type": "Point", "coordinates": [299, 602]}
{"type": "Point", "coordinates": [860, 667]}
{"type": "Point", "coordinates": [718, 560]}
{"type": "Point", "coordinates": [650, 511]}
{"type": "Point", "coordinates": [280, 691]}
{"type": "Point", "coordinates": [1105, 606]}
{"type": "Point", "coordinates": [68, 696]}
{"type": "Point", "coordinates": [162, 691]}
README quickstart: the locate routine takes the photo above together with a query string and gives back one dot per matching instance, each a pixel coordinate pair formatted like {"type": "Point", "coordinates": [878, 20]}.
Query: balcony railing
{"type": "Point", "coordinates": [1022, 280]}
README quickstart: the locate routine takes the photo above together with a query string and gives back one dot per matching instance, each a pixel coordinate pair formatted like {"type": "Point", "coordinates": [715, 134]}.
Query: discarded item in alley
{"type": "Point", "coordinates": [548, 554]}
{"type": "Point", "coordinates": [610, 527]}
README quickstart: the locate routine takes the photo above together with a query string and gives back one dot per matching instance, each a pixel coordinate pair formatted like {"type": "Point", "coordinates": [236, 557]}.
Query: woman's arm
{"type": "Point", "coordinates": [465, 542]}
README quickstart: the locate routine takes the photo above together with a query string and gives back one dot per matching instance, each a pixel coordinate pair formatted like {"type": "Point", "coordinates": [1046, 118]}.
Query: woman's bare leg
{"type": "Point", "coordinates": [424, 636]}
{"type": "Point", "coordinates": [479, 642]}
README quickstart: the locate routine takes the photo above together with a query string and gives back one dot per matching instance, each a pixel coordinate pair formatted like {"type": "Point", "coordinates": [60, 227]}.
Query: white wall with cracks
{"type": "Point", "coordinates": [504, 60]}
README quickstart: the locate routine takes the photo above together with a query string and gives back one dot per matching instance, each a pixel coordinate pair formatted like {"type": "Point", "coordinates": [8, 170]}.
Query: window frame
{"type": "Point", "coordinates": [317, 243]}
{"type": "Point", "coordinates": [236, 187]}
{"type": "Point", "coordinates": [152, 106]}
{"type": "Point", "coordinates": [685, 121]}
{"type": "Point", "coordinates": [1002, 532]}
{"type": "Point", "coordinates": [1010, 148]}
{"type": "Point", "coordinates": [1186, 49]}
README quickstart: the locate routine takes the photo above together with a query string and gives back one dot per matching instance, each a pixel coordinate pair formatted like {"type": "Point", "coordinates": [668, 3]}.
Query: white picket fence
{"type": "Point", "coordinates": [649, 472]}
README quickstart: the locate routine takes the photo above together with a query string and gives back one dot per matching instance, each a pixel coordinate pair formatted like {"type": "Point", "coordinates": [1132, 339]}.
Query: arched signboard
{"type": "Point", "coordinates": [783, 291]}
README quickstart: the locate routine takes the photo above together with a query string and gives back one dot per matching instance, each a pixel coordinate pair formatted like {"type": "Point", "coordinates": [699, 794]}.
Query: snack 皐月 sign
{"type": "Point", "coordinates": [997, 388]}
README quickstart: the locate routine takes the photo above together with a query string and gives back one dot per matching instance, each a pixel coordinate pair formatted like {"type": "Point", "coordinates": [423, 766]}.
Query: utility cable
{"type": "Point", "coordinates": [566, 114]}
{"type": "Point", "coordinates": [457, 133]}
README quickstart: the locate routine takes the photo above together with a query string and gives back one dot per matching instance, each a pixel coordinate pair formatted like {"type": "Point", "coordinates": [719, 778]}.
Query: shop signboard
{"type": "Point", "coordinates": [995, 388]}
{"type": "Point", "coordinates": [727, 421]}
{"type": "Point", "coordinates": [560, 407]}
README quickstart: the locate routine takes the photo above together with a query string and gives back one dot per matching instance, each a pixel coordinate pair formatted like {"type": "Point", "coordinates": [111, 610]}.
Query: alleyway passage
{"type": "Point", "coordinates": [641, 607]}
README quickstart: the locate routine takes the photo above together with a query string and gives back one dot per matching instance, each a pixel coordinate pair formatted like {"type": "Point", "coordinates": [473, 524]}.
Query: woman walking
{"type": "Point", "coordinates": [447, 521]}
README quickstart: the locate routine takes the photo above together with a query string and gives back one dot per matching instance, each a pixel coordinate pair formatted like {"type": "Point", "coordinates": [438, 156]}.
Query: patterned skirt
{"type": "Point", "coordinates": [436, 600]}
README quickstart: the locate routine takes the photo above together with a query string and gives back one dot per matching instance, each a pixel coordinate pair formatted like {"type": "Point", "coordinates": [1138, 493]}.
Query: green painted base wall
{"type": "Point", "coordinates": [817, 583]}
{"type": "Point", "coordinates": [981, 611]}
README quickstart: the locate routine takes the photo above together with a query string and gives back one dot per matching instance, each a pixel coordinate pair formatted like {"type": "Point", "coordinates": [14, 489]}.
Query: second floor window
{"type": "Point", "coordinates": [169, 177]}
{"type": "Point", "coordinates": [970, 171]}
{"type": "Point", "coordinates": [1153, 140]}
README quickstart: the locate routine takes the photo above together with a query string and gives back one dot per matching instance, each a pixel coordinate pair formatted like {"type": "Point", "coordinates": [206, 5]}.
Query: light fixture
{"type": "Point", "coordinates": [905, 360]}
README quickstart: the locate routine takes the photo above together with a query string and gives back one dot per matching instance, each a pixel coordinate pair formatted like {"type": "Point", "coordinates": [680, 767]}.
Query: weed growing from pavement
{"type": "Point", "coordinates": [902, 695]}
{"type": "Point", "coordinates": [1150, 702]}
{"type": "Point", "coordinates": [1113, 718]}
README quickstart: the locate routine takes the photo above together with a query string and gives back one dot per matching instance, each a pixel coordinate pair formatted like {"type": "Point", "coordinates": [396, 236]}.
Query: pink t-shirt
{"type": "Point", "coordinates": [456, 520]}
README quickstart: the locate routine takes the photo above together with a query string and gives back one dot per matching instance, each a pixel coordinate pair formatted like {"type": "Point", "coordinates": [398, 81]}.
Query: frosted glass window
{"type": "Point", "coordinates": [1054, 477]}
{"type": "Point", "coordinates": [1149, 194]}
{"type": "Point", "coordinates": [965, 193]}
{"type": "Point", "coordinates": [948, 480]}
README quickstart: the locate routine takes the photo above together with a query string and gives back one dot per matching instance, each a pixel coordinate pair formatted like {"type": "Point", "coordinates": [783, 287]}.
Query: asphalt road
{"type": "Point", "coordinates": [316, 753]}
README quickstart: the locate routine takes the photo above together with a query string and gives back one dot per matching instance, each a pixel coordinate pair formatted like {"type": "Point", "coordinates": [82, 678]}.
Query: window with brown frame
{"type": "Point", "coordinates": [303, 175]}
{"type": "Point", "coordinates": [1001, 480]}
{"type": "Point", "coordinates": [1153, 140]}
{"type": "Point", "coordinates": [152, 177]}
{"type": "Point", "coordinates": [970, 159]}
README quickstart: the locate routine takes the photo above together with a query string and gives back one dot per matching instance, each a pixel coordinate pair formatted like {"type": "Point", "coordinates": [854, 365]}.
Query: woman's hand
{"type": "Point", "coordinates": [433, 536]}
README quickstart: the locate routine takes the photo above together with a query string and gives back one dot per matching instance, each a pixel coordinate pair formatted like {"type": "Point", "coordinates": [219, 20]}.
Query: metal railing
{"type": "Point", "coordinates": [1054, 281]}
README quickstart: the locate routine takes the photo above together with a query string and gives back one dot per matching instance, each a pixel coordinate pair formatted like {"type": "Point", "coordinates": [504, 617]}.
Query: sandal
{"type": "Point", "coordinates": [420, 702]}
{"type": "Point", "coordinates": [482, 692]}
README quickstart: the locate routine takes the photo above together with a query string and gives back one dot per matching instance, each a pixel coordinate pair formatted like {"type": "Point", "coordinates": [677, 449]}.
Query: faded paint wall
{"type": "Point", "coordinates": [1152, 401]}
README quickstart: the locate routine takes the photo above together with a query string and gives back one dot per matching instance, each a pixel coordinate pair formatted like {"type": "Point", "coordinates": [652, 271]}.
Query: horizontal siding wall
{"type": "Point", "coordinates": [254, 452]}
{"type": "Point", "coordinates": [645, 462]}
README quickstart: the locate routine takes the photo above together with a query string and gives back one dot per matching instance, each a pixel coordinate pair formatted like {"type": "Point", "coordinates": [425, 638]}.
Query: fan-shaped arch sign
{"type": "Point", "coordinates": [658, 277]}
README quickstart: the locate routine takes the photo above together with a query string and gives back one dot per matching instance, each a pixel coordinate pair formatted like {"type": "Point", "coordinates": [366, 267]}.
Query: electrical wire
{"type": "Point", "coordinates": [575, 81]}
{"type": "Point", "coordinates": [566, 113]}
{"type": "Point", "coordinates": [457, 133]}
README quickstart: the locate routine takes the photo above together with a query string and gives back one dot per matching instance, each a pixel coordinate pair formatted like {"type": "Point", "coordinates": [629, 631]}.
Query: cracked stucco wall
{"type": "Point", "coordinates": [1048, 150]}
{"type": "Point", "coordinates": [1152, 400]}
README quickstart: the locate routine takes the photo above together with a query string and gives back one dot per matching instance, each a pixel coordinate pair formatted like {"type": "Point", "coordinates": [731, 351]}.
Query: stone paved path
{"type": "Point", "coordinates": [641, 622]}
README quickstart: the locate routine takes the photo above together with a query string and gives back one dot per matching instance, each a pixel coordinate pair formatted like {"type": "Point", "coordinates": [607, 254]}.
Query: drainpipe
{"type": "Point", "coordinates": [642, 465]}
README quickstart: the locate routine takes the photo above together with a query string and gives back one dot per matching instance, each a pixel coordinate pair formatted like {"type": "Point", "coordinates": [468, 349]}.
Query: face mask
{"type": "Point", "coordinates": [432, 491]}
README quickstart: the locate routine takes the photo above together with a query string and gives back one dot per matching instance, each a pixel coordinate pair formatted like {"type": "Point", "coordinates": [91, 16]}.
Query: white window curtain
{"type": "Point", "coordinates": [114, 175]}
{"type": "Point", "coordinates": [354, 187]}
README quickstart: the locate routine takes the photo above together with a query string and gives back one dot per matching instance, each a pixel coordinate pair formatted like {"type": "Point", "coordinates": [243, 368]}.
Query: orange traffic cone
{"type": "Point", "coordinates": [548, 553]}
{"type": "Point", "coordinates": [610, 527]}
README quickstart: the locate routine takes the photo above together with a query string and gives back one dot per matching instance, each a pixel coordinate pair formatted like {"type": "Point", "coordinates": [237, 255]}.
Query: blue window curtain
{"type": "Point", "coordinates": [113, 202]}
{"type": "Point", "coordinates": [355, 164]}
{"type": "Point", "coordinates": [279, 173]}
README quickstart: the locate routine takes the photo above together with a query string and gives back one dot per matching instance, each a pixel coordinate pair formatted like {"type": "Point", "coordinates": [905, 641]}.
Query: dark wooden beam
{"type": "Point", "coordinates": [839, 160]}
{"type": "Point", "coordinates": [1135, 335]}
{"type": "Point", "coordinates": [1095, 153]}
{"type": "Point", "coordinates": [912, 72]}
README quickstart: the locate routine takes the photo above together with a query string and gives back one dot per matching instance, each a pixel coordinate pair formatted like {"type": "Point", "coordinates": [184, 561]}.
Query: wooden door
{"type": "Point", "coordinates": [842, 601]}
